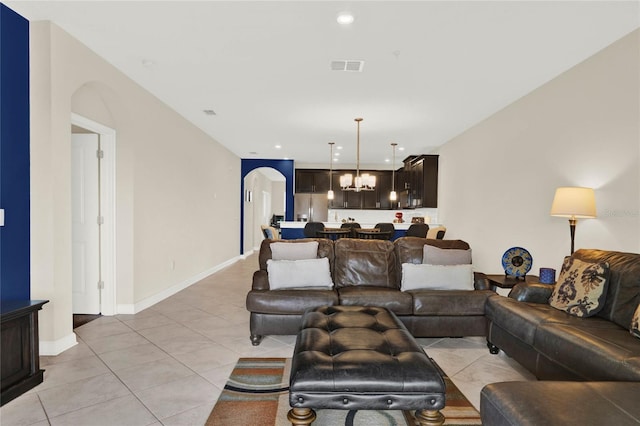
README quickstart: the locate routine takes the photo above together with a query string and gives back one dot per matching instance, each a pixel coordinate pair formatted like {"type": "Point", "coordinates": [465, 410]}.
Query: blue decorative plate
{"type": "Point", "coordinates": [517, 261]}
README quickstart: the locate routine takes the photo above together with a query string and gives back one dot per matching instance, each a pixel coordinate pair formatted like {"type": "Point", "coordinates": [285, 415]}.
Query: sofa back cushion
{"type": "Point", "coordinates": [325, 249]}
{"type": "Point", "coordinates": [623, 292]}
{"type": "Point", "coordinates": [365, 263]}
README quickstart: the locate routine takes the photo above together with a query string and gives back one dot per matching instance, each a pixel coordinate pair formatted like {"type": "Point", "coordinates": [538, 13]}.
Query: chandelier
{"type": "Point", "coordinates": [364, 182]}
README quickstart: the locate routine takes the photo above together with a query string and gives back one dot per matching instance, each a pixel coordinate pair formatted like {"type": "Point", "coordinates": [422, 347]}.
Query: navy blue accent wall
{"type": "Point", "coordinates": [14, 156]}
{"type": "Point", "coordinates": [283, 166]}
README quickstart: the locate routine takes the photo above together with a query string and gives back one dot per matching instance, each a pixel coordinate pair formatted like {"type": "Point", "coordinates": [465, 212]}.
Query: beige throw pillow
{"type": "Point", "coordinates": [581, 287]}
{"type": "Point", "coordinates": [306, 273]}
{"type": "Point", "coordinates": [635, 323]}
{"type": "Point", "coordinates": [436, 277]}
{"type": "Point", "coordinates": [294, 251]}
{"type": "Point", "coordinates": [436, 256]}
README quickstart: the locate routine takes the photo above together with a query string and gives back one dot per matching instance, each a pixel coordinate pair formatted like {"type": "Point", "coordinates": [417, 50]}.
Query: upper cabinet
{"type": "Point", "coordinates": [312, 181]}
{"type": "Point", "coordinates": [419, 182]}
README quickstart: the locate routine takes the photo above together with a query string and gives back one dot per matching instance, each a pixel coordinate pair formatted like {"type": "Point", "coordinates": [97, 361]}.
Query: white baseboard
{"type": "Point", "coordinates": [56, 347]}
{"type": "Point", "coordinates": [249, 253]}
{"type": "Point", "coordinates": [150, 301]}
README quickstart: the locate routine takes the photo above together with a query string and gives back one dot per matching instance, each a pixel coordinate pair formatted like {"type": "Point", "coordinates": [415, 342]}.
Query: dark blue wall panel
{"type": "Point", "coordinates": [283, 166]}
{"type": "Point", "coordinates": [14, 155]}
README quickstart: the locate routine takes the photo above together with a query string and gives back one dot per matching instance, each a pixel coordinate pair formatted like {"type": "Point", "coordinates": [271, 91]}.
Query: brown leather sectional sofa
{"type": "Point", "coordinates": [368, 273]}
{"type": "Point", "coordinates": [590, 367]}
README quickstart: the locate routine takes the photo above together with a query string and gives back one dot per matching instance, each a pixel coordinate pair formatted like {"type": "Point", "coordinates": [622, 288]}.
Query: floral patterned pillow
{"type": "Point", "coordinates": [635, 323]}
{"type": "Point", "coordinates": [581, 287]}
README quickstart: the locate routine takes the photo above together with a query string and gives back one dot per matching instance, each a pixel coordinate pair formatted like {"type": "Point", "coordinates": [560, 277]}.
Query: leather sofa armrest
{"type": "Point", "coordinates": [532, 292]}
{"type": "Point", "coordinates": [480, 281]}
{"type": "Point", "coordinates": [260, 280]}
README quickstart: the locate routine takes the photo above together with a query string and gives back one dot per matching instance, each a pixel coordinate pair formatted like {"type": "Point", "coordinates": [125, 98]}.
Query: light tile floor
{"type": "Point", "coordinates": [167, 364]}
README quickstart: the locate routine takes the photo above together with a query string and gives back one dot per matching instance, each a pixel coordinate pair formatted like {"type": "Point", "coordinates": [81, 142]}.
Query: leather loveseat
{"type": "Point", "coordinates": [368, 273]}
{"type": "Point", "coordinates": [590, 365]}
{"type": "Point", "coordinates": [555, 345]}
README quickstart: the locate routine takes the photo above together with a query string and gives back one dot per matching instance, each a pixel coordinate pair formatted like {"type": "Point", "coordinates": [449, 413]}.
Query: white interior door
{"type": "Point", "coordinates": [85, 202]}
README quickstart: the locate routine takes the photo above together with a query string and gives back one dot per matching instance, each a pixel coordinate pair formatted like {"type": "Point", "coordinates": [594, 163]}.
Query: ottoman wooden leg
{"type": "Point", "coordinates": [301, 416]}
{"type": "Point", "coordinates": [429, 417]}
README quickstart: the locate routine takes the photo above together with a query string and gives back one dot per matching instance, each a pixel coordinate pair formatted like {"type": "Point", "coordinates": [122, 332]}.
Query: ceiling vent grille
{"type": "Point", "coordinates": [347, 65]}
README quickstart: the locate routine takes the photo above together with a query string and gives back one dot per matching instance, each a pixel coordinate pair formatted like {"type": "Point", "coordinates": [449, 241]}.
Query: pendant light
{"type": "Point", "coordinates": [366, 182]}
{"type": "Point", "coordinates": [330, 193]}
{"type": "Point", "coordinates": [392, 195]}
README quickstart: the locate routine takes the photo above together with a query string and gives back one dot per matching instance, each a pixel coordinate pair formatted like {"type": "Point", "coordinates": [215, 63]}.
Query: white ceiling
{"type": "Point", "coordinates": [432, 69]}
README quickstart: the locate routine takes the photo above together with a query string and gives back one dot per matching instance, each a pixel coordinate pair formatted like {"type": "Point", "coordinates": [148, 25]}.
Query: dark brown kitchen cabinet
{"type": "Point", "coordinates": [416, 185]}
{"type": "Point", "coordinates": [376, 199]}
{"type": "Point", "coordinates": [419, 182]}
{"type": "Point", "coordinates": [312, 181]}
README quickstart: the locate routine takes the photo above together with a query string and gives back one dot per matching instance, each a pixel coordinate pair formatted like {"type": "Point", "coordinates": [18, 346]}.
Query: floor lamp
{"type": "Point", "coordinates": [574, 203]}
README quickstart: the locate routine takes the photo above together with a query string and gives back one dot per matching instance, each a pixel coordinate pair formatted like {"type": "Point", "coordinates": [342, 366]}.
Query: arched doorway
{"type": "Point", "coordinates": [286, 169]}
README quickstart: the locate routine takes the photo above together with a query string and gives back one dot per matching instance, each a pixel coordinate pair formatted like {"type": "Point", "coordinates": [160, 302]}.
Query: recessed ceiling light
{"type": "Point", "coordinates": [345, 18]}
{"type": "Point", "coordinates": [401, 148]}
{"type": "Point", "coordinates": [278, 146]}
{"type": "Point", "coordinates": [339, 147]}
{"type": "Point", "coordinates": [386, 160]}
{"type": "Point", "coordinates": [147, 63]}
{"type": "Point", "coordinates": [337, 154]}
{"type": "Point", "coordinates": [209, 111]}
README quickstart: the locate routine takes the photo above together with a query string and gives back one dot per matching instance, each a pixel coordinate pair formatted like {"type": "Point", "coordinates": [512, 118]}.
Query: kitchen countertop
{"type": "Point", "coordinates": [300, 225]}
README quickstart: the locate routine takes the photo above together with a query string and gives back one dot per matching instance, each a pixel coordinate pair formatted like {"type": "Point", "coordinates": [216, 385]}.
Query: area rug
{"type": "Point", "coordinates": [257, 394]}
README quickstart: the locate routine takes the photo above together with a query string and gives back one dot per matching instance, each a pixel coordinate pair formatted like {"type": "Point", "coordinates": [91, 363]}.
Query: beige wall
{"type": "Point", "coordinates": [497, 180]}
{"type": "Point", "coordinates": [177, 199]}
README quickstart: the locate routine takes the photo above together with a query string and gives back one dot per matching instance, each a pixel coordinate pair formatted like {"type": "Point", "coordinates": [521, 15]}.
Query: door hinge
{"type": "Point", "coordinates": [100, 220]}
{"type": "Point", "coordinates": [100, 285]}
{"type": "Point", "coordinates": [100, 154]}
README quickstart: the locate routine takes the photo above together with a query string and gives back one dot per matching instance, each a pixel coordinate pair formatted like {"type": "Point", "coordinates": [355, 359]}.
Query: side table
{"type": "Point", "coordinates": [505, 281]}
{"type": "Point", "coordinates": [20, 366]}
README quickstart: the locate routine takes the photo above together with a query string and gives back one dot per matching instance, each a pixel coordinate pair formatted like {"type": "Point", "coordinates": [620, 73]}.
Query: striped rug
{"type": "Point", "coordinates": [257, 394]}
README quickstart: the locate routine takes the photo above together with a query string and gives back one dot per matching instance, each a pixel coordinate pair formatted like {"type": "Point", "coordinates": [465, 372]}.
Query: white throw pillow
{"type": "Point", "coordinates": [299, 273]}
{"type": "Point", "coordinates": [436, 277]}
{"type": "Point", "coordinates": [436, 256]}
{"type": "Point", "coordinates": [294, 251]}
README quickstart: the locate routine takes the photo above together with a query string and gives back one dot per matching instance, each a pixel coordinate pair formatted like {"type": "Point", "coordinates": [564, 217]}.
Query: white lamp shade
{"type": "Point", "coordinates": [371, 181]}
{"type": "Point", "coordinates": [345, 180]}
{"type": "Point", "coordinates": [330, 195]}
{"type": "Point", "coordinates": [576, 202]}
{"type": "Point", "coordinates": [393, 196]}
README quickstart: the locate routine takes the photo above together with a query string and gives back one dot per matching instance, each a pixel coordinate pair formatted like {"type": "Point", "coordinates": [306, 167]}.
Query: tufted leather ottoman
{"type": "Point", "coordinates": [361, 358]}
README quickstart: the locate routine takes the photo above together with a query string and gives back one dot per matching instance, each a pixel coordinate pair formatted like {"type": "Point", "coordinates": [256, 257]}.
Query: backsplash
{"type": "Point", "coordinates": [376, 216]}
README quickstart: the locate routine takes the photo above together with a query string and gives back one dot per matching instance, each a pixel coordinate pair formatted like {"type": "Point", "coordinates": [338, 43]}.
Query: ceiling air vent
{"type": "Point", "coordinates": [347, 65]}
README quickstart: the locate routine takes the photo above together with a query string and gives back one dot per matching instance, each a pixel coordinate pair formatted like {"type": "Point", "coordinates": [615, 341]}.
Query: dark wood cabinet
{"type": "Point", "coordinates": [20, 360]}
{"type": "Point", "coordinates": [430, 181]}
{"type": "Point", "coordinates": [419, 182]}
{"type": "Point", "coordinates": [312, 181]}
